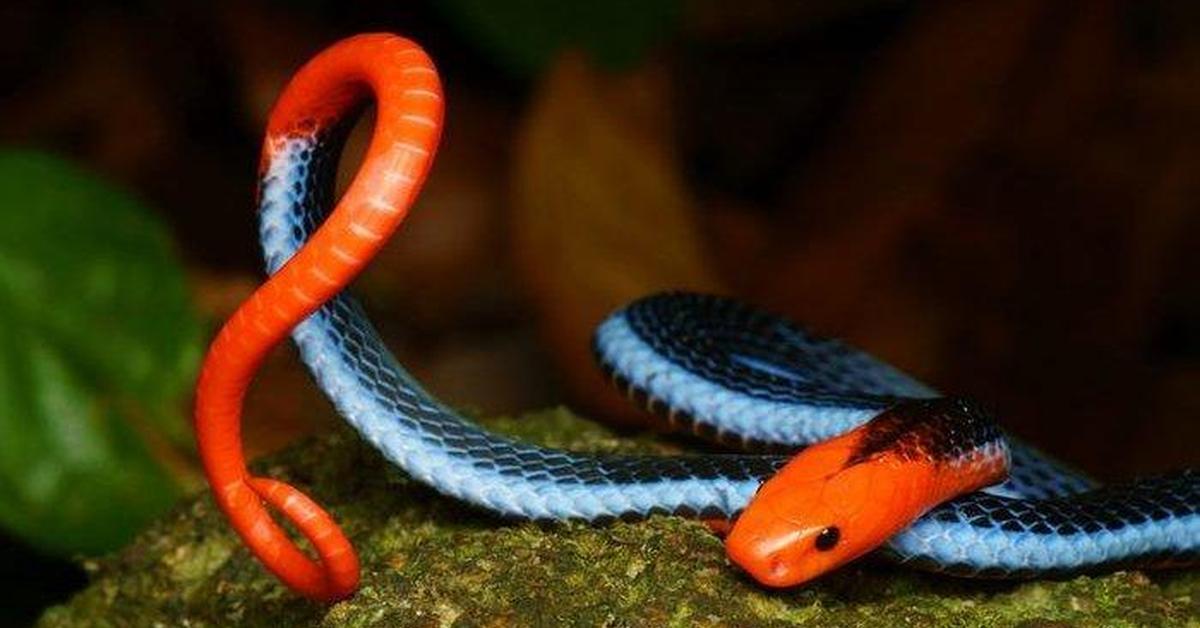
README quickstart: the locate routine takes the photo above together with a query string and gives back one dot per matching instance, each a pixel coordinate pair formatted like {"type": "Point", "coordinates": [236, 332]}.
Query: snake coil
{"type": "Point", "coordinates": [721, 369]}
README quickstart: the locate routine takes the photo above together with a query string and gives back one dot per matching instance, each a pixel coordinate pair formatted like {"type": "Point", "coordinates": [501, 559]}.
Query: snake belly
{"type": "Point", "coordinates": [729, 373]}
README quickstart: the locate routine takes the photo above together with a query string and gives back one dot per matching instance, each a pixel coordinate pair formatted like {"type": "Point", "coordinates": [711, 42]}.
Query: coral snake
{"type": "Point", "coordinates": [889, 464]}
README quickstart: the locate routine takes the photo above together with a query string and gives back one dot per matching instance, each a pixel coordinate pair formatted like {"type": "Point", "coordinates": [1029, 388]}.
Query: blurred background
{"type": "Point", "coordinates": [996, 196]}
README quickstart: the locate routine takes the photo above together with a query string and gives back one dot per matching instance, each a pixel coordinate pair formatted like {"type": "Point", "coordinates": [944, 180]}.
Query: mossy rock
{"type": "Point", "coordinates": [428, 560]}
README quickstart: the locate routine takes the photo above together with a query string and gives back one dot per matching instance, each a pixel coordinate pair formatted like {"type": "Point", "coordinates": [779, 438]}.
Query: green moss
{"type": "Point", "coordinates": [428, 560]}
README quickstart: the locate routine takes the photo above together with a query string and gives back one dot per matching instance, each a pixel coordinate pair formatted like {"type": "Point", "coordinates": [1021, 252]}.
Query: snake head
{"type": "Point", "coordinates": [838, 500]}
{"type": "Point", "coordinates": [815, 515]}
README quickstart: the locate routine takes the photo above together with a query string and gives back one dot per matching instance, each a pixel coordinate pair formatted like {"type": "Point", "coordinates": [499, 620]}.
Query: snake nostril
{"type": "Point", "coordinates": [778, 568]}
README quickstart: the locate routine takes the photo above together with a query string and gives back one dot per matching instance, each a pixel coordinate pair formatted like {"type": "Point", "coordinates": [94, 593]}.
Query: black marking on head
{"type": "Point", "coordinates": [828, 538]}
{"type": "Point", "coordinates": [939, 430]}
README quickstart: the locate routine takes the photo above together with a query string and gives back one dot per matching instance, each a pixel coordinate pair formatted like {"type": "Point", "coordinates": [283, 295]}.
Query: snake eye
{"type": "Point", "coordinates": [828, 538]}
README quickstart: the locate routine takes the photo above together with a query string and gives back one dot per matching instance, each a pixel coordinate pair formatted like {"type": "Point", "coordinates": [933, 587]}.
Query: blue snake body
{"type": "Point", "coordinates": [731, 374]}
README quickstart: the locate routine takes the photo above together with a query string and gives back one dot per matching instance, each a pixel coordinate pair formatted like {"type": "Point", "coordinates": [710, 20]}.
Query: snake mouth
{"type": "Point", "coordinates": [772, 570]}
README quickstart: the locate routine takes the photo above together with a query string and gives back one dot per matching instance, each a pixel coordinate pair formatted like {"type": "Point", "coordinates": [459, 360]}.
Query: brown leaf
{"type": "Point", "coordinates": [843, 256]}
{"type": "Point", "coordinates": [600, 215]}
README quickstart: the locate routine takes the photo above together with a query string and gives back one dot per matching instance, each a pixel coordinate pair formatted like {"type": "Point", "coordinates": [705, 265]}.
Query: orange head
{"type": "Point", "coordinates": [817, 514]}
{"type": "Point", "coordinates": [840, 499]}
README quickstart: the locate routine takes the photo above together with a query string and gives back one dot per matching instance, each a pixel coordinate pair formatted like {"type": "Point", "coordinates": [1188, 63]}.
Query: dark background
{"type": "Point", "coordinates": [996, 196]}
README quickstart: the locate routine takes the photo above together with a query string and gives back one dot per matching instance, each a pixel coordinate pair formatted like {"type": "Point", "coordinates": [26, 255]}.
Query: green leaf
{"type": "Point", "coordinates": [98, 346]}
{"type": "Point", "coordinates": [524, 35]}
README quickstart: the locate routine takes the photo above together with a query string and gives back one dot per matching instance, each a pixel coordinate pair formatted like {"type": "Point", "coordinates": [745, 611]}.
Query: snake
{"type": "Point", "coordinates": [828, 453]}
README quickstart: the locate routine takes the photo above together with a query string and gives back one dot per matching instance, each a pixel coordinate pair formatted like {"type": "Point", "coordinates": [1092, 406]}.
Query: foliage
{"type": "Point", "coordinates": [98, 344]}
{"type": "Point", "coordinates": [525, 35]}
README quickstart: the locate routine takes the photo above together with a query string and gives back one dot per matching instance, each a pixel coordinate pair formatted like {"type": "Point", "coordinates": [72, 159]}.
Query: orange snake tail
{"type": "Point", "coordinates": [405, 86]}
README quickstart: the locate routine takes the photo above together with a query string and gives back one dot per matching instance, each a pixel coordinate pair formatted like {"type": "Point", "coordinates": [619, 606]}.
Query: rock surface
{"type": "Point", "coordinates": [430, 561]}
